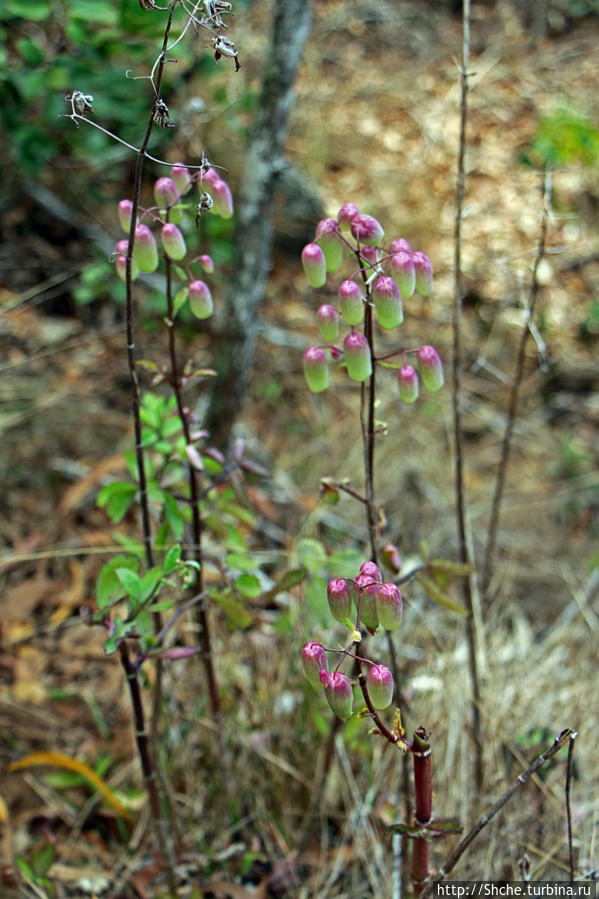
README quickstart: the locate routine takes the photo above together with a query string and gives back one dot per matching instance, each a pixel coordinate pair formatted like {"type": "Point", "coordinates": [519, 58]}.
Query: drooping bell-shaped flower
{"type": "Point", "coordinates": [327, 234]}
{"type": "Point", "coordinates": [364, 592]}
{"type": "Point", "coordinates": [207, 263]}
{"type": "Point", "coordinates": [200, 299]}
{"type": "Point", "coordinates": [314, 660]}
{"type": "Point", "coordinates": [371, 570]}
{"type": "Point", "coordinates": [124, 215]}
{"type": "Point", "coordinates": [346, 215]}
{"type": "Point", "coordinates": [145, 250]}
{"type": "Point", "coordinates": [339, 598]}
{"type": "Point", "coordinates": [314, 263]}
{"type": "Point", "coordinates": [316, 369]}
{"type": "Point", "coordinates": [407, 381]}
{"type": "Point", "coordinates": [379, 681]}
{"type": "Point", "coordinates": [389, 606]}
{"type": "Point", "coordinates": [339, 694]}
{"type": "Point", "coordinates": [367, 229]}
{"type": "Point", "coordinates": [424, 274]}
{"type": "Point", "coordinates": [356, 353]}
{"type": "Point", "coordinates": [222, 197]}
{"type": "Point", "coordinates": [166, 193]}
{"type": "Point", "coordinates": [399, 245]}
{"type": "Point", "coordinates": [173, 242]}
{"type": "Point", "coordinates": [181, 177]}
{"type": "Point", "coordinates": [430, 368]}
{"type": "Point", "coordinates": [328, 323]}
{"type": "Point", "coordinates": [351, 303]}
{"type": "Point", "coordinates": [403, 271]}
{"type": "Point", "coordinates": [121, 268]}
{"type": "Point", "coordinates": [387, 302]}
{"type": "Point", "coordinates": [391, 557]}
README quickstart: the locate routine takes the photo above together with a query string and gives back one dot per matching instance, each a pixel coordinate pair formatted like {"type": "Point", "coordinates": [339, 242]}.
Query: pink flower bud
{"type": "Point", "coordinates": [124, 215]}
{"type": "Point", "coordinates": [371, 570]}
{"type": "Point", "coordinates": [379, 681]}
{"type": "Point", "coordinates": [430, 368]}
{"type": "Point", "coordinates": [122, 246]}
{"type": "Point", "coordinates": [145, 250]}
{"type": "Point", "coordinates": [351, 302]}
{"type": "Point", "coordinates": [389, 606]}
{"type": "Point", "coordinates": [387, 302]}
{"type": "Point", "coordinates": [339, 597]}
{"type": "Point", "coordinates": [223, 198]}
{"type": "Point", "coordinates": [371, 255]}
{"type": "Point", "coordinates": [314, 263]}
{"type": "Point", "coordinates": [173, 242]}
{"type": "Point", "coordinates": [401, 245]}
{"type": "Point", "coordinates": [356, 353]}
{"type": "Point", "coordinates": [327, 234]}
{"type": "Point", "coordinates": [328, 323]}
{"type": "Point", "coordinates": [346, 215]}
{"type": "Point", "coordinates": [424, 274]}
{"type": "Point", "coordinates": [335, 353]}
{"type": "Point", "coordinates": [121, 268]}
{"type": "Point", "coordinates": [200, 299]}
{"type": "Point", "coordinates": [364, 589]}
{"type": "Point", "coordinates": [391, 557]}
{"type": "Point", "coordinates": [340, 695]}
{"type": "Point", "coordinates": [182, 178]}
{"type": "Point", "coordinates": [316, 369]}
{"type": "Point", "coordinates": [165, 192]}
{"type": "Point", "coordinates": [407, 380]}
{"type": "Point", "coordinates": [367, 229]}
{"type": "Point", "coordinates": [207, 263]}
{"type": "Point", "coordinates": [314, 659]}
{"type": "Point", "coordinates": [207, 179]}
{"type": "Point", "coordinates": [403, 270]}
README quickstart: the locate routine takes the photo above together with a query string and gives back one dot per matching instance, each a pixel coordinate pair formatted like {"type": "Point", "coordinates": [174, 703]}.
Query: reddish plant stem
{"type": "Point", "coordinates": [423, 792]}
{"type": "Point", "coordinates": [201, 614]}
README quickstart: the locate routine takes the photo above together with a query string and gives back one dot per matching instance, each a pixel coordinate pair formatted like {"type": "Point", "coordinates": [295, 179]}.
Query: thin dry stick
{"type": "Point", "coordinates": [465, 555]}
{"type": "Point", "coordinates": [566, 736]}
{"type": "Point", "coordinates": [514, 393]}
{"type": "Point", "coordinates": [568, 808]}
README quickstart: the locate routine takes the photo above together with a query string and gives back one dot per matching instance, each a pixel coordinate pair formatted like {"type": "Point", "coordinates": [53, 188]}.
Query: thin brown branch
{"type": "Point", "coordinates": [460, 491]}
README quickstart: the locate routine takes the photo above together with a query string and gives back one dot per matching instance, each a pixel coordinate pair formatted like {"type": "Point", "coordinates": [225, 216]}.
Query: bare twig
{"type": "Point", "coordinates": [469, 586]}
{"type": "Point", "coordinates": [514, 394]}
{"type": "Point", "coordinates": [568, 808]}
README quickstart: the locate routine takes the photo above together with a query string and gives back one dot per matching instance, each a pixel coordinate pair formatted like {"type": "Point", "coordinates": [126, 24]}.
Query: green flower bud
{"type": "Point", "coordinates": [316, 369]}
{"type": "Point", "coordinates": [379, 681]}
{"type": "Point", "coordinates": [357, 356]}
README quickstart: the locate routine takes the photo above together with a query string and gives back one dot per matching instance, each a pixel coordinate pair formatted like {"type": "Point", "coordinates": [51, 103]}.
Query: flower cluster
{"type": "Point", "coordinates": [376, 604]}
{"type": "Point", "coordinates": [166, 216]}
{"type": "Point", "coordinates": [386, 275]}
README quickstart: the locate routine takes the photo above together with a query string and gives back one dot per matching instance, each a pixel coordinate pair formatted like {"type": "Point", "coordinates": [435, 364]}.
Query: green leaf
{"type": "Point", "coordinates": [316, 596]}
{"type": "Point", "coordinates": [36, 10]}
{"type": "Point", "coordinates": [345, 562]}
{"type": "Point", "coordinates": [237, 615]}
{"type": "Point", "coordinates": [179, 300]}
{"type": "Point", "coordinates": [149, 582]}
{"type": "Point", "coordinates": [442, 599]}
{"type": "Point", "coordinates": [42, 860]}
{"type": "Point", "coordinates": [172, 559]}
{"type": "Point", "coordinates": [131, 582]}
{"type": "Point", "coordinates": [249, 585]}
{"type": "Point", "coordinates": [289, 580]}
{"type": "Point", "coordinates": [457, 569]}
{"type": "Point", "coordinates": [312, 554]}
{"type": "Point", "coordinates": [244, 563]}
{"type": "Point", "coordinates": [117, 498]}
{"type": "Point", "coordinates": [109, 588]}
{"type": "Point", "coordinates": [174, 517]}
